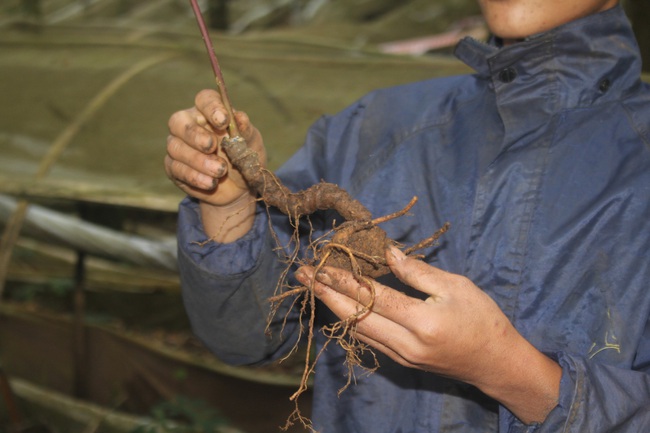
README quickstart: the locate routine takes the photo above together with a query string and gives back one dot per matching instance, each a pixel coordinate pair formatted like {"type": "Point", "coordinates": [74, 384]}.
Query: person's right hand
{"type": "Point", "coordinates": [196, 163]}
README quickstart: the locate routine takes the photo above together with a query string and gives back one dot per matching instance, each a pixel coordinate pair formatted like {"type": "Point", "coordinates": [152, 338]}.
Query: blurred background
{"type": "Point", "coordinates": [93, 336]}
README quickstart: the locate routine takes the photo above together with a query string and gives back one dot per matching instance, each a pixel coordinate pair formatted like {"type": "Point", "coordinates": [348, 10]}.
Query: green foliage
{"type": "Point", "coordinates": [60, 288]}
{"type": "Point", "coordinates": [180, 374]}
{"type": "Point", "coordinates": [183, 415]}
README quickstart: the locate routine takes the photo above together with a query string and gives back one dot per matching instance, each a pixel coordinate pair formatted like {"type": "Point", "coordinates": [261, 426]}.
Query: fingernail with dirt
{"type": "Point", "coordinates": [219, 119]}
{"type": "Point", "coordinates": [397, 254]}
{"type": "Point", "coordinates": [209, 146]}
{"type": "Point", "coordinates": [215, 167]}
{"type": "Point", "coordinates": [206, 182]}
{"type": "Point", "coordinates": [304, 276]}
{"type": "Point", "coordinates": [323, 277]}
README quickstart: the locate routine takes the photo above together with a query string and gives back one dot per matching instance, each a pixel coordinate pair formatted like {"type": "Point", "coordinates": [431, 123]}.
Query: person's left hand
{"type": "Point", "coordinates": [458, 331]}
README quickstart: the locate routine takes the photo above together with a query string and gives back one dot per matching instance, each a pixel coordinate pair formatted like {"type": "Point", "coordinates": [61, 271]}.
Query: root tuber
{"type": "Point", "coordinates": [357, 245]}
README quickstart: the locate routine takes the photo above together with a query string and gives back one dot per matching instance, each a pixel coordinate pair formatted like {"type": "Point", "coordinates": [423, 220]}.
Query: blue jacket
{"type": "Point", "coordinates": [541, 162]}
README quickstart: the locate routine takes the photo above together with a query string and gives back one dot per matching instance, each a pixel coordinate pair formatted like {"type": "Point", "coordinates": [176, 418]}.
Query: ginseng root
{"type": "Point", "coordinates": [357, 245]}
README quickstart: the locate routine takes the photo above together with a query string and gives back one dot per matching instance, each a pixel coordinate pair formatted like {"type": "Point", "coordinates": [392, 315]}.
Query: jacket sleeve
{"type": "Point", "coordinates": [596, 397]}
{"type": "Point", "coordinates": [226, 287]}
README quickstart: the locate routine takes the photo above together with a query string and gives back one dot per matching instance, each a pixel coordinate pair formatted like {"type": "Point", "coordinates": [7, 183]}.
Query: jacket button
{"type": "Point", "coordinates": [507, 75]}
{"type": "Point", "coordinates": [604, 85]}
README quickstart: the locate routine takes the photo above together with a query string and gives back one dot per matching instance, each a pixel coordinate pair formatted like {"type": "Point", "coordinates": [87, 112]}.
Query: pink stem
{"type": "Point", "coordinates": [221, 85]}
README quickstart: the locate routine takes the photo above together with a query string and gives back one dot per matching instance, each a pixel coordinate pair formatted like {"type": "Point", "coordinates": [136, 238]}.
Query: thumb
{"type": "Point", "coordinates": [416, 273]}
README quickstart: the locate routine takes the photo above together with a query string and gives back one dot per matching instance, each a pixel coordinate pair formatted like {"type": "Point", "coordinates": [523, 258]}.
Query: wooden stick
{"type": "Point", "coordinates": [9, 398]}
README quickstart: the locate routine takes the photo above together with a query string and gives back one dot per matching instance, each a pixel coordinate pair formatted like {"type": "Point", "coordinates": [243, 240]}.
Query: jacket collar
{"type": "Point", "coordinates": [586, 61]}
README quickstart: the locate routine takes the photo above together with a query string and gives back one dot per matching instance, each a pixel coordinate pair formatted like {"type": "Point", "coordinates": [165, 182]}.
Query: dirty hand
{"type": "Point", "coordinates": [196, 163]}
{"type": "Point", "coordinates": [458, 332]}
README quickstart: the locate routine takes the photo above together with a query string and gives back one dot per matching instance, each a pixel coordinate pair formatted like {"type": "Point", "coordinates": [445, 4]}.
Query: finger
{"type": "Point", "coordinates": [383, 300]}
{"type": "Point", "coordinates": [187, 125]}
{"type": "Point", "coordinates": [418, 274]}
{"type": "Point", "coordinates": [358, 303]}
{"type": "Point", "coordinates": [345, 306]}
{"type": "Point", "coordinates": [246, 129]}
{"type": "Point", "coordinates": [387, 336]}
{"type": "Point", "coordinates": [382, 333]}
{"type": "Point", "coordinates": [386, 350]}
{"type": "Point", "coordinates": [208, 102]}
{"type": "Point", "coordinates": [186, 177]}
{"type": "Point", "coordinates": [211, 165]}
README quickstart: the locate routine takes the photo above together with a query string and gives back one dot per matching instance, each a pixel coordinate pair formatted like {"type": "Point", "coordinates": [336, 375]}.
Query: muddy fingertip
{"type": "Point", "coordinates": [211, 183]}
{"type": "Point", "coordinates": [322, 276]}
{"type": "Point", "coordinates": [304, 275]}
{"type": "Point", "coordinates": [395, 254]}
{"type": "Point", "coordinates": [244, 124]}
{"type": "Point", "coordinates": [219, 119]}
{"type": "Point", "coordinates": [216, 167]}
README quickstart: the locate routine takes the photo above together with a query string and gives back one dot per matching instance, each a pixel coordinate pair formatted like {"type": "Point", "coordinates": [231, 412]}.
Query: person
{"type": "Point", "coordinates": [532, 313]}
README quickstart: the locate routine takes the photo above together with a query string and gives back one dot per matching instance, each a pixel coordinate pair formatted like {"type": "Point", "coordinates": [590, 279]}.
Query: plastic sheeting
{"type": "Point", "coordinates": [50, 74]}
